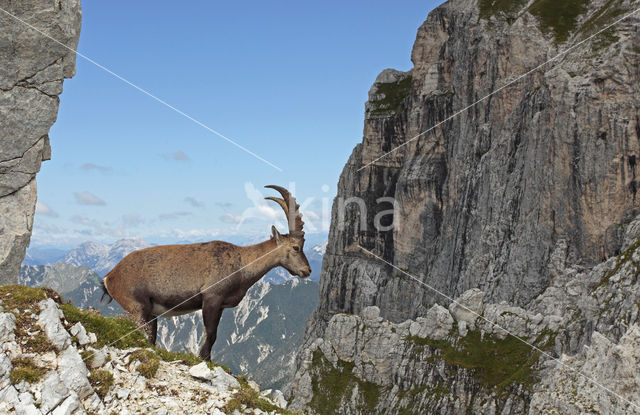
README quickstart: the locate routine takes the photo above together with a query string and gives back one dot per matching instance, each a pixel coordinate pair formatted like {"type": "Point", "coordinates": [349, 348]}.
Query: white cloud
{"type": "Point", "coordinates": [310, 214]}
{"type": "Point", "coordinates": [229, 218]}
{"type": "Point", "coordinates": [262, 210]}
{"type": "Point", "coordinates": [82, 220]}
{"type": "Point", "coordinates": [86, 198]}
{"type": "Point", "coordinates": [173, 215]}
{"type": "Point", "coordinates": [194, 233]}
{"type": "Point", "coordinates": [44, 210]}
{"type": "Point", "coordinates": [92, 166]}
{"type": "Point", "coordinates": [132, 220]}
{"type": "Point", "coordinates": [176, 156]}
{"type": "Point", "coordinates": [224, 205]}
{"type": "Point", "coordinates": [194, 202]}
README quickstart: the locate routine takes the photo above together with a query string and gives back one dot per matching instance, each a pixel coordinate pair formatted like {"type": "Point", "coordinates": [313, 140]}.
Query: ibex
{"type": "Point", "coordinates": [171, 280]}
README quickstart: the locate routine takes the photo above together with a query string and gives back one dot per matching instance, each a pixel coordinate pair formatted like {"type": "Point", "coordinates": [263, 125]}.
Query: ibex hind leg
{"type": "Point", "coordinates": [140, 312]}
{"type": "Point", "coordinates": [211, 313]}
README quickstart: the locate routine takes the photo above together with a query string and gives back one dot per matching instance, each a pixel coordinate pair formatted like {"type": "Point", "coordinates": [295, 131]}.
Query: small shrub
{"type": "Point", "coordinates": [101, 380]}
{"type": "Point", "coordinates": [149, 362]}
{"type": "Point", "coordinates": [24, 368]}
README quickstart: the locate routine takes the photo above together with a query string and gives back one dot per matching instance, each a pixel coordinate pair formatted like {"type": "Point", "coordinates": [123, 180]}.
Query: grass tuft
{"type": "Point", "coordinates": [118, 331]}
{"type": "Point", "coordinates": [39, 343]}
{"type": "Point", "coordinates": [149, 362]}
{"type": "Point", "coordinates": [250, 398]}
{"type": "Point", "coordinates": [21, 297]}
{"type": "Point", "coordinates": [24, 368]}
{"type": "Point", "coordinates": [101, 380]}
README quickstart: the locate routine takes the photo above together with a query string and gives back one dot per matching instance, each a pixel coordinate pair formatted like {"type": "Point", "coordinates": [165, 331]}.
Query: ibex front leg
{"type": "Point", "coordinates": [211, 313]}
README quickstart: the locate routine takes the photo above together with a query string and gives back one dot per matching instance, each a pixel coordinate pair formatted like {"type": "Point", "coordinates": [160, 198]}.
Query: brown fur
{"type": "Point", "coordinates": [210, 276]}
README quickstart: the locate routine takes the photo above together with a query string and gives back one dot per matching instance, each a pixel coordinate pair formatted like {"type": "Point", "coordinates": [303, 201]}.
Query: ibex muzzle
{"type": "Point", "coordinates": [172, 280]}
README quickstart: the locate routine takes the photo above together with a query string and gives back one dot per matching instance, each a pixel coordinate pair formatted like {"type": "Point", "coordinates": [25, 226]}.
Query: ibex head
{"type": "Point", "coordinates": [292, 245]}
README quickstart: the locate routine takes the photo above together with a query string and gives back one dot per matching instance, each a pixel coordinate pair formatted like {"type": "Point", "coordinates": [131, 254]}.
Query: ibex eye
{"type": "Point", "coordinates": [296, 248]}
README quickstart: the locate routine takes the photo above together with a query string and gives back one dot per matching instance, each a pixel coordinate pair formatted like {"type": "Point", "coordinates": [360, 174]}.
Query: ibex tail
{"type": "Point", "coordinates": [105, 293]}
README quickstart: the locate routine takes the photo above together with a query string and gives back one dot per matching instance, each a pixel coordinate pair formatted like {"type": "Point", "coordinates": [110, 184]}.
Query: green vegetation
{"type": "Point", "coordinates": [331, 384]}
{"type": "Point", "coordinates": [497, 363]}
{"type": "Point", "coordinates": [149, 362]}
{"type": "Point", "coordinates": [101, 381]}
{"type": "Point", "coordinates": [435, 392]}
{"type": "Point", "coordinates": [600, 19]}
{"type": "Point", "coordinates": [624, 258]}
{"type": "Point", "coordinates": [188, 358]}
{"type": "Point", "coordinates": [119, 331]}
{"type": "Point", "coordinates": [22, 301]}
{"type": "Point", "coordinates": [490, 8]}
{"type": "Point", "coordinates": [394, 95]}
{"type": "Point", "coordinates": [24, 368]}
{"type": "Point", "coordinates": [604, 39]}
{"type": "Point", "coordinates": [603, 16]}
{"type": "Point", "coordinates": [39, 343]}
{"type": "Point", "coordinates": [20, 297]}
{"type": "Point", "coordinates": [558, 16]}
{"type": "Point", "coordinates": [250, 398]}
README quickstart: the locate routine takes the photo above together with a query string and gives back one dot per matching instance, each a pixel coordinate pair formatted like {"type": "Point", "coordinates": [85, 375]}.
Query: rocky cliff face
{"type": "Point", "coordinates": [487, 201]}
{"type": "Point", "coordinates": [484, 197]}
{"type": "Point", "coordinates": [583, 335]}
{"type": "Point", "coordinates": [32, 68]}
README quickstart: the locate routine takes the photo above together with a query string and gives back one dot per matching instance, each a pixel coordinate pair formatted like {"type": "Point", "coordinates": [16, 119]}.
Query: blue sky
{"type": "Point", "coordinates": [287, 80]}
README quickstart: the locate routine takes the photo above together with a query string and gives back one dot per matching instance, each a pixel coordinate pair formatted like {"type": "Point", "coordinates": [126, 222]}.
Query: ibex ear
{"type": "Point", "coordinates": [275, 234]}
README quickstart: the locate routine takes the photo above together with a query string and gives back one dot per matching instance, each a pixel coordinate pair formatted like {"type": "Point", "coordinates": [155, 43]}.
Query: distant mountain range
{"type": "Point", "coordinates": [258, 337]}
{"type": "Point", "coordinates": [80, 285]}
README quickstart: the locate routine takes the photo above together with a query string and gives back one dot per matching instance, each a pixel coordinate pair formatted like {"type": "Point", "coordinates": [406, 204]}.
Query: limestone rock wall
{"type": "Point", "coordinates": [32, 69]}
{"type": "Point", "coordinates": [454, 360]}
{"type": "Point", "coordinates": [484, 197]}
{"type": "Point", "coordinates": [519, 197]}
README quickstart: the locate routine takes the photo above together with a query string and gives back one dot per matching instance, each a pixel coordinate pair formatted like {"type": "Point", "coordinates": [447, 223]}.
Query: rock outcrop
{"type": "Point", "coordinates": [32, 69]}
{"type": "Point", "coordinates": [510, 205]}
{"type": "Point", "coordinates": [50, 366]}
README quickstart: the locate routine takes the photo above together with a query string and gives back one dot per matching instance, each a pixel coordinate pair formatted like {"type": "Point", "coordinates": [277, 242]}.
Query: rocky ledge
{"type": "Point", "coordinates": [56, 359]}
